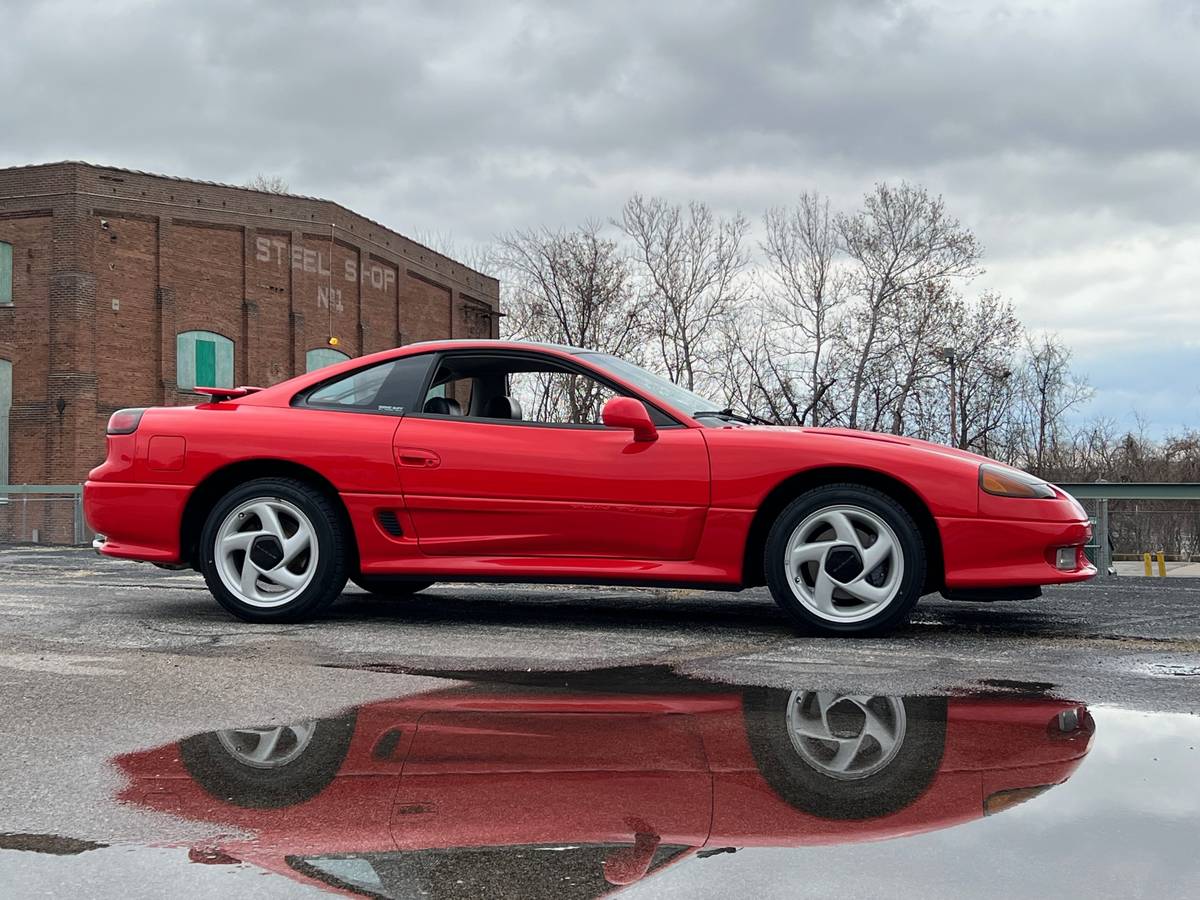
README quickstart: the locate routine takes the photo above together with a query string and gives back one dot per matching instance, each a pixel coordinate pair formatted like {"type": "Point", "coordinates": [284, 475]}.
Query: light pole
{"type": "Point", "coordinates": [950, 355]}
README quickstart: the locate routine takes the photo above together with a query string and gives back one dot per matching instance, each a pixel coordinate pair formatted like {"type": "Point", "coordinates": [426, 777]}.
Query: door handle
{"type": "Point", "coordinates": [415, 458]}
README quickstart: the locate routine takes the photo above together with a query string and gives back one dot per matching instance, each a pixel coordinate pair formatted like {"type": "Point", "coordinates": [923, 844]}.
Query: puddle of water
{"type": "Point", "coordinates": [580, 786]}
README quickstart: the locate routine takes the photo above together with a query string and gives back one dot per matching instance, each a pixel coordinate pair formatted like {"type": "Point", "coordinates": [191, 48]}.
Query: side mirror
{"type": "Point", "coordinates": [630, 864]}
{"type": "Point", "coordinates": [626, 412]}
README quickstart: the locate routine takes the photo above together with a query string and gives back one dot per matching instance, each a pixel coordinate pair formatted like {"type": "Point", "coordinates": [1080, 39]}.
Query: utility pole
{"type": "Point", "coordinates": [950, 355]}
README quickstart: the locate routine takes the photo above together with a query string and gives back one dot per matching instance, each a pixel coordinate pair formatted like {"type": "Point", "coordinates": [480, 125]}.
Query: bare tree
{"type": "Point", "coordinates": [569, 287]}
{"type": "Point", "coordinates": [1049, 390]}
{"type": "Point", "coordinates": [901, 242]}
{"type": "Point", "coordinates": [272, 184]}
{"type": "Point", "coordinates": [690, 262]}
{"type": "Point", "coordinates": [987, 338]}
{"type": "Point", "coordinates": [806, 287]}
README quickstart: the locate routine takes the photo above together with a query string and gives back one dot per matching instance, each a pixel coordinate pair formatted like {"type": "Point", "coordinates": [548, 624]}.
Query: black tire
{"type": "Point", "coordinates": [223, 775]}
{"type": "Point", "coordinates": [330, 534]}
{"type": "Point", "coordinates": [908, 538]}
{"type": "Point", "coordinates": [382, 586]}
{"type": "Point", "coordinates": [807, 788]}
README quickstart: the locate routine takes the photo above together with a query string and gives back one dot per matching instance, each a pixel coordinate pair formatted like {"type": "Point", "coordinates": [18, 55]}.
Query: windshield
{"type": "Point", "coordinates": [655, 385]}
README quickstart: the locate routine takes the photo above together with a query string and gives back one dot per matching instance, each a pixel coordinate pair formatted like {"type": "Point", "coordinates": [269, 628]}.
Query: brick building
{"type": "Point", "coordinates": [121, 288]}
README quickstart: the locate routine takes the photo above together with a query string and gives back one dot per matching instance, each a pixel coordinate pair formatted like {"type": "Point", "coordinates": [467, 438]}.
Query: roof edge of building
{"type": "Point", "coordinates": [250, 190]}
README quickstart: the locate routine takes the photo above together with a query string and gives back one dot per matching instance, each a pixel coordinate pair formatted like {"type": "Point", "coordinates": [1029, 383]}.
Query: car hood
{"type": "Point", "coordinates": [852, 434]}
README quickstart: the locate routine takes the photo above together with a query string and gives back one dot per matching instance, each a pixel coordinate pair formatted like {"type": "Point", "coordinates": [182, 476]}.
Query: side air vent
{"type": "Point", "coordinates": [389, 523]}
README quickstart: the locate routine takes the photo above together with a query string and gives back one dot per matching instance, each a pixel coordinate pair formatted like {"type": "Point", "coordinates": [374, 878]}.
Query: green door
{"type": "Point", "coordinates": [206, 363]}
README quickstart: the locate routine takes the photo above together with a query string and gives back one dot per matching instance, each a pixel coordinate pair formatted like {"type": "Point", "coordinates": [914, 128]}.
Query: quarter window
{"type": "Point", "coordinates": [389, 387]}
{"type": "Point", "coordinates": [6, 274]}
{"type": "Point", "coordinates": [203, 359]}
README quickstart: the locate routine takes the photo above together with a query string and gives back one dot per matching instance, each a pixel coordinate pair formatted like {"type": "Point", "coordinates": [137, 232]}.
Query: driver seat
{"type": "Point", "coordinates": [502, 408]}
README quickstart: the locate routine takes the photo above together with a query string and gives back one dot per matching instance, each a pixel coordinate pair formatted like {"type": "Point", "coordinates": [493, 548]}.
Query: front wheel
{"type": "Point", "coordinates": [845, 756]}
{"type": "Point", "coordinates": [273, 550]}
{"type": "Point", "coordinates": [845, 559]}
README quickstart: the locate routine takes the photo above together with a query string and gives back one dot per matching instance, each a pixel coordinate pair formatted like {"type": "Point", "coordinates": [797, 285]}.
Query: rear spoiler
{"type": "Point", "coordinates": [219, 394]}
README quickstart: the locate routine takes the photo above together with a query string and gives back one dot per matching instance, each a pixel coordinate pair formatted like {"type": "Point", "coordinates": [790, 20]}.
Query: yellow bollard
{"type": "Point", "coordinates": [1162, 565]}
{"type": "Point", "coordinates": [1146, 563]}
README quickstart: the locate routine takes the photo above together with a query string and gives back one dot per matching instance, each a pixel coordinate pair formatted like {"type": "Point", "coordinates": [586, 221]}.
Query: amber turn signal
{"type": "Point", "coordinates": [1002, 800]}
{"type": "Point", "coordinates": [1004, 482]}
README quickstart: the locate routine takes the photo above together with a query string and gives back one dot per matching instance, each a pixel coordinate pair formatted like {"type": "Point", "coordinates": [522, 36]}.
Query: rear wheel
{"type": "Point", "coordinates": [273, 550]}
{"type": "Point", "coordinates": [382, 586]}
{"type": "Point", "coordinates": [272, 766]}
{"type": "Point", "coordinates": [845, 559]}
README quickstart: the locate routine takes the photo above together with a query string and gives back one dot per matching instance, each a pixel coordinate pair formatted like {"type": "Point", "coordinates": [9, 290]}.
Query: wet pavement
{"type": "Point", "coordinates": [575, 742]}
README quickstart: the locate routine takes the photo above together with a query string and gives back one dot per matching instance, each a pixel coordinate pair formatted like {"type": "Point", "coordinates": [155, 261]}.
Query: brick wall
{"type": "Point", "coordinates": [109, 265]}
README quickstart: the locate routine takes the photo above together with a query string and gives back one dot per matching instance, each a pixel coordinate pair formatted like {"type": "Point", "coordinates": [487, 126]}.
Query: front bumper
{"type": "Point", "coordinates": [1002, 553]}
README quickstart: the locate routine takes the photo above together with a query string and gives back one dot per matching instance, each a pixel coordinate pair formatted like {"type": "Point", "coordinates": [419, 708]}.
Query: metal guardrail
{"type": "Point", "coordinates": [1103, 491]}
{"type": "Point", "coordinates": [1132, 490]}
{"type": "Point", "coordinates": [16, 499]}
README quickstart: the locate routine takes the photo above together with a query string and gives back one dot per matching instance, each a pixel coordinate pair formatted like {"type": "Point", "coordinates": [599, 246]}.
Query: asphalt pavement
{"type": "Point", "coordinates": [99, 658]}
{"type": "Point", "coordinates": [1131, 641]}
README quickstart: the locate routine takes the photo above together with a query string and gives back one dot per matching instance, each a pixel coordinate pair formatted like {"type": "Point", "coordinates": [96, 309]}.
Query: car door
{"type": "Point", "coordinates": [561, 771]}
{"type": "Point", "coordinates": [479, 485]}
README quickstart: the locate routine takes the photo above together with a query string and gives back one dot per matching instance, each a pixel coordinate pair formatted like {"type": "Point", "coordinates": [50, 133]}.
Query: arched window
{"type": "Point", "coordinates": [322, 357]}
{"type": "Point", "coordinates": [6, 395]}
{"type": "Point", "coordinates": [6, 274]}
{"type": "Point", "coordinates": [203, 359]}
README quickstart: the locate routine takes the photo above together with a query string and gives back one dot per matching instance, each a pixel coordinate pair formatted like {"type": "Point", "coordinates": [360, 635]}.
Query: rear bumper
{"type": "Point", "coordinates": [137, 521]}
{"type": "Point", "coordinates": [1002, 553]}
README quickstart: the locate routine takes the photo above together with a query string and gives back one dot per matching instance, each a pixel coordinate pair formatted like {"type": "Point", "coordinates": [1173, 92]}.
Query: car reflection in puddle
{"type": "Point", "coordinates": [496, 789]}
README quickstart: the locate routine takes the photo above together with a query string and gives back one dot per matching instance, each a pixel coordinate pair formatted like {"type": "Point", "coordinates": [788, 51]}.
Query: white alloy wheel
{"type": "Point", "coordinates": [267, 748]}
{"type": "Point", "coordinates": [266, 552]}
{"type": "Point", "coordinates": [844, 564]}
{"type": "Point", "coordinates": [843, 736]}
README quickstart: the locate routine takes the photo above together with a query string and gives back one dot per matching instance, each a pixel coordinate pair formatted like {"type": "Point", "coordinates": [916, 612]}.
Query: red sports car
{"type": "Point", "coordinates": [552, 793]}
{"type": "Point", "coordinates": [489, 460]}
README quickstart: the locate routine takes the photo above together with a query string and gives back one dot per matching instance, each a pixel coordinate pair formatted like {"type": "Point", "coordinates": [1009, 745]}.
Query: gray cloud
{"type": "Point", "coordinates": [1066, 133]}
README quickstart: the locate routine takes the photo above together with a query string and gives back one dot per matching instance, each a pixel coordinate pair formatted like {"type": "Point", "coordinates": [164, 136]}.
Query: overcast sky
{"type": "Point", "coordinates": [1067, 134]}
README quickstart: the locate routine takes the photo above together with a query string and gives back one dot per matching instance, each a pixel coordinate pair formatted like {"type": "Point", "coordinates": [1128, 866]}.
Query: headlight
{"type": "Point", "coordinates": [1004, 482]}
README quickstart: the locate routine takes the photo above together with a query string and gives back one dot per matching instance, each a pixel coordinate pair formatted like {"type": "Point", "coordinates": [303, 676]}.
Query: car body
{"type": "Point", "coordinates": [470, 784]}
{"type": "Point", "coordinates": [654, 494]}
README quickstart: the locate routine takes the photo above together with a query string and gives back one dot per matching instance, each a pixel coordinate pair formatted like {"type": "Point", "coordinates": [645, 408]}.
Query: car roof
{"type": "Point", "coordinates": [473, 343]}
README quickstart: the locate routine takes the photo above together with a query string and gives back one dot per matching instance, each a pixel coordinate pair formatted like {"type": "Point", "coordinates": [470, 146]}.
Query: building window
{"type": "Point", "coordinates": [6, 395]}
{"type": "Point", "coordinates": [6, 274]}
{"type": "Point", "coordinates": [322, 357]}
{"type": "Point", "coordinates": [203, 359]}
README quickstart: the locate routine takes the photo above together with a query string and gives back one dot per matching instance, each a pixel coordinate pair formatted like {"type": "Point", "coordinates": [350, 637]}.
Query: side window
{"type": "Point", "coordinates": [203, 359]}
{"type": "Point", "coordinates": [559, 397]}
{"type": "Point", "coordinates": [389, 387]}
{"type": "Point", "coordinates": [516, 388]}
{"type": "Point", "coordinates": [322, 357]}
{"type": "Point", "coordinates": [6, 274]}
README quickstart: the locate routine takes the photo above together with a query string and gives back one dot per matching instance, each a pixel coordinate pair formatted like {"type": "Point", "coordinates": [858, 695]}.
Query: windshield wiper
{"type": "Point", "coordinates": [728, 413]}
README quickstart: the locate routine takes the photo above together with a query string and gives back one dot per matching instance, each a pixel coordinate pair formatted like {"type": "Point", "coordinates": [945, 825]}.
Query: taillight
{"type": "Point", "coordinates": [125, 421]}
